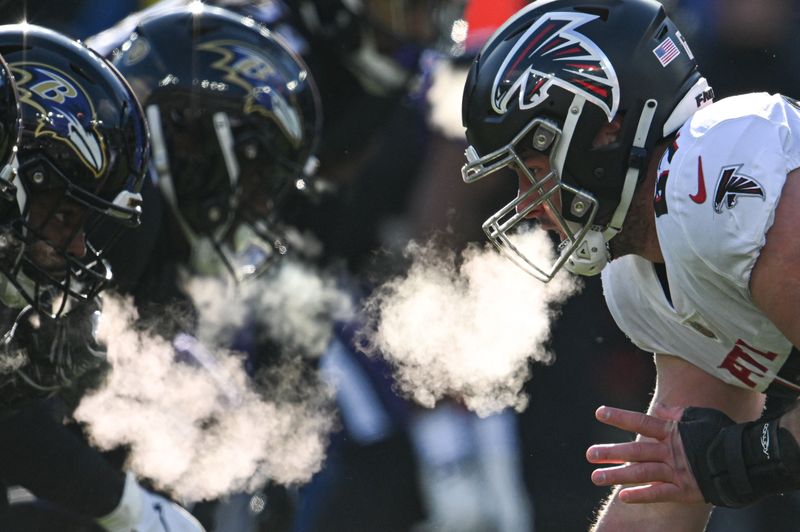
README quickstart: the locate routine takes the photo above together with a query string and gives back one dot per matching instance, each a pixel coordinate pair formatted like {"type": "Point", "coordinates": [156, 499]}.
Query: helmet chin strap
{"type": "Point", "coordinates": [592, 255]}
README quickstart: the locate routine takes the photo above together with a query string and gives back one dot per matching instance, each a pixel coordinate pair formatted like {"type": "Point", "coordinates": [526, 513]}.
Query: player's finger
{"type": "Point", "coordinates": [649, 493]}
{"type": "Point", "coordinates": [639, 473]}
{"type": "Point", "coordinates": [634, 422]}
{"type": "Point", "coordinates": [635, 451]}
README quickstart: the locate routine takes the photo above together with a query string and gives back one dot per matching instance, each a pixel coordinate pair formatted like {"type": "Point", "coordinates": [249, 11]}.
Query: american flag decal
{"type": "Point", "coordinates": [666, 51]}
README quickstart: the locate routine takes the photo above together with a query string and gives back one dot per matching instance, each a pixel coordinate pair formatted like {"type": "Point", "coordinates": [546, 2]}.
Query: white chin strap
{"type": "Point", "coordinates": [590, 257]}
{"type": "Point", "coordinates": [592, 254]}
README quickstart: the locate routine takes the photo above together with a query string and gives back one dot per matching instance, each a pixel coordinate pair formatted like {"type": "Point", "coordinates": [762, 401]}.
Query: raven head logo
{"type": "Point", "coordinates": [553, 52]}
{"type": "Point", "coordinates": [731, 186]}
{"type": "Point", "coordinates": [268, 93]}
{"type": "Point", "coordinates": [64, 111]}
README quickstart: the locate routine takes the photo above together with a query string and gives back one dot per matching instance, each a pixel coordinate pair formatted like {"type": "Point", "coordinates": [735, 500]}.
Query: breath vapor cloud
{"type": "Point", "coordinates": [466, 327]}
{"type": "Point", "coordinates": [204, 429]}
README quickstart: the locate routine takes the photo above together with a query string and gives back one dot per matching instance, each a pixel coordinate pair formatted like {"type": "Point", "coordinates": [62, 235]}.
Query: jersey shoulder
{"type": "Point", "coordinates": [722, 180]}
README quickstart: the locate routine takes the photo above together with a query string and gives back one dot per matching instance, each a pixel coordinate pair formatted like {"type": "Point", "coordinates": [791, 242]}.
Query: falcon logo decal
{"type": "Point", "coordinates": [553, 52]}
{"type": "Point", "coordinates": [731, 186]}
{"type": "Point", "coordinates": [64, 111]}
{"type": "Point", "coordinates": [248, 68]}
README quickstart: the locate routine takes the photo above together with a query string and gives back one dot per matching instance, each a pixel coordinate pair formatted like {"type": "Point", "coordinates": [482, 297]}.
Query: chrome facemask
{"type": "Point", "coordinates": [544, 191]}
{"type": "Point", "coordinates": [584, 247]}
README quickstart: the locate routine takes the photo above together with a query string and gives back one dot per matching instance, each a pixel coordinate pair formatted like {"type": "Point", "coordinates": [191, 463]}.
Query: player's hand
{"type": "Point", "coordinates": [143, 511]}
{"type": "Point", "coordinates": [655, 462]}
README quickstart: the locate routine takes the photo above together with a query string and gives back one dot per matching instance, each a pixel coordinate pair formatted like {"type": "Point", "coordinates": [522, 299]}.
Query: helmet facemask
{"type": "Point", "coordinates": [548, 192]}
{"type": "Point", "coordinates": [44, 252]}
{"type": "Point", "coordinates": [228, 211]}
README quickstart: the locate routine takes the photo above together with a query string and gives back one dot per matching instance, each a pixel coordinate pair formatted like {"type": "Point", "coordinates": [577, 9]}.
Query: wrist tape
{"type": "Point", "coordinates": [737, 464]}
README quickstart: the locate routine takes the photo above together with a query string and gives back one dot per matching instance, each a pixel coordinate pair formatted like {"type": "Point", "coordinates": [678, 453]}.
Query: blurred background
{"type": "Point", "coordinates": [392, 148]}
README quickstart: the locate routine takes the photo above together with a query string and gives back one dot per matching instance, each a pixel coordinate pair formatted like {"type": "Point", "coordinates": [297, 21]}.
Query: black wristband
{"type": "Point", "coordinates": [737, 464]}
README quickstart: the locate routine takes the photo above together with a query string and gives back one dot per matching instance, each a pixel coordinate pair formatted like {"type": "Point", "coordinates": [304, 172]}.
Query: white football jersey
{"type": "Point", "coordinates": [716, 192]}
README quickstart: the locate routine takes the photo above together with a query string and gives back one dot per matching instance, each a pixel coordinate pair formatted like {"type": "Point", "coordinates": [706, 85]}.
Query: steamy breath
{"type": "Point", "coordinates": [466, 327]}
{"type": "Point", "coordinates": [204, 429]}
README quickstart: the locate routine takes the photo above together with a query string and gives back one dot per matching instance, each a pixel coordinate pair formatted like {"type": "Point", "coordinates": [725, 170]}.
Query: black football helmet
{"type": "Point", "coordinates": [82, 155]}
{"type": "Point", "coordinates": [548, 80]}
{"type": "Point", "coordinates": [235, 118]}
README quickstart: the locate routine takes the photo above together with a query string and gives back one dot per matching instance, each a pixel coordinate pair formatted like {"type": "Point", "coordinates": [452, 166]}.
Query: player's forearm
{"type": "Point", "coordinates": [617, 516]}
{"type": "Point", "coordinates": [42, 455]}
{"type": "Point", "coordinates": [737, 464]}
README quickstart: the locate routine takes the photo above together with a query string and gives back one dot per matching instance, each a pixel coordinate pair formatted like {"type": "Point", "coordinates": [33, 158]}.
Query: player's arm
{"type": "Point", "coordinates": [658, 467]}
{"type": "Point", "coordinates": [775, 279]}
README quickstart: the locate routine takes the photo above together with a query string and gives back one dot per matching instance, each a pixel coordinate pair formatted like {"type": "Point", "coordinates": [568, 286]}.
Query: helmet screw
{"type": "Point", "coordinates": [574, 110]}
{"type": "Point", "coordinates": [541, 140]}
{"type": "Point", "coordinates": [214, 214]}
{"type": "Point", "coordinates": [38, 177]}
{"type": "Point", "coordinates": [578, 207]}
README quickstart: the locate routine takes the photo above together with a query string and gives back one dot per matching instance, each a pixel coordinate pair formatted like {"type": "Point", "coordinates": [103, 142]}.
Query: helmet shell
{"type": "Point", "coordinates": [617, 54]}
{"type": "Point", "coordinates": [196, 62]}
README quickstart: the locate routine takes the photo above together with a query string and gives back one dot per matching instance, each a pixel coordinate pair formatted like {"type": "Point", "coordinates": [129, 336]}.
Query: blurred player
{"type": "Point", "coordinates": [234, 134]}
{"type": "Point", "coordinates": [81, 158]}
{"type": "Point", "coordinates": [234, 130]}
{"type": "Point", "coordinates": [687, 208]}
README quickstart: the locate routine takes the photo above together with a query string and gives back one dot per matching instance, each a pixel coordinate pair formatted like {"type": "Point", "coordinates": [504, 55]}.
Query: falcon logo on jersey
{"type": "Point", "coordinates": [552, 52]}
{"type": "Point", "coordinates": [64, 111]}
{"type": "Point", "coordinates": [248, 68]}
{"type": "Point", "coordinates": [731, 186]}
